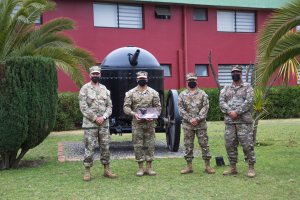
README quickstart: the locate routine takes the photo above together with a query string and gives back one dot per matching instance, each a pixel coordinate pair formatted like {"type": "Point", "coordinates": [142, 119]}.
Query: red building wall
{"type": "Point", "coordinates": [180, 41]}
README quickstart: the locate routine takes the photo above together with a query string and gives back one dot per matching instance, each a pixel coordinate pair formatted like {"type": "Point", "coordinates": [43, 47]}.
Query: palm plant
{"type": "Point", "coordinates": [20, 36]}
{"type": "Point", "coordinates": [279, 45]}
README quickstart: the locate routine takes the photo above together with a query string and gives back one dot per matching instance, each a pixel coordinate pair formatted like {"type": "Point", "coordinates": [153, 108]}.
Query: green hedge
{"type": "Point", "coordinates": [284, 102]}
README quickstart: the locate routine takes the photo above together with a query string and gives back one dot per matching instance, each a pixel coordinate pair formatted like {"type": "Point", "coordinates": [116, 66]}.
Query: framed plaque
{"type": "Point", "coordinates": [147, 113]}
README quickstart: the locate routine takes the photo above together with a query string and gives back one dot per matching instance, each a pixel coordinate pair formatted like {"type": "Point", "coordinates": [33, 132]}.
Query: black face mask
{"type": "Point", "coordinates": [95, 79]}
{"type": "Point", "coordinates": [192, 84]}
{"type": "Point", "coordinates": [142, 82]}
{"type": "Point", "coordinates": [236, 77]}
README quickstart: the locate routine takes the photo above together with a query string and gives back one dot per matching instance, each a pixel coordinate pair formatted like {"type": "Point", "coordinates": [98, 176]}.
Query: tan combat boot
{"type": "Point", "coordinates": [251, 172]}
{"type": "Point", "coordinates": [141, 170]}
{"type": "Point", "coordinates": [208, 168]}
{"type": "Point", "coordinates": [231, 171]}
{"type": "Point", "coordinates": [108, 173]}
{"type": "Point", "coordinates": [187, 169]}
{"type": "Point", "coordinates": [87, 174]}
{"type": "Point", "coordinates": [149, 169]}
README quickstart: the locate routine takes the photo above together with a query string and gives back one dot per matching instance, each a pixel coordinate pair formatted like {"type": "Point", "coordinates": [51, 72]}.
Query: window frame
{"type": "Point", "coordinates": [163, 65]}
{"type": "Point", "coordinates": [202, 65]}
{"type": "Point", "coordinates": [165, 12]}
{"type": "Point", "coordinates": [206, 14]}
{"type": "Point", "coordinates": [235, 21]}
{"type": "Point", "coordinates": [117, 5]}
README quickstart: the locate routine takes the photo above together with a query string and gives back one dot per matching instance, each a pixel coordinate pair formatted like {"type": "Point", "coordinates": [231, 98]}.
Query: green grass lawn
{"type": "Point", "coordinates": [277, 168]}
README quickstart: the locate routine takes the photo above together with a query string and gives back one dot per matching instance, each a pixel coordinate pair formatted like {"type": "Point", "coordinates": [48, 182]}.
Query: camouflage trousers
{"type": "Point", "coordinates": [143, 140]}
{"type": "Point", "coordinates": [189, 136]}
{"type": "Point", "coordinates": [92, 137]}
{"type": "Point", "coordinates": [243, 134]}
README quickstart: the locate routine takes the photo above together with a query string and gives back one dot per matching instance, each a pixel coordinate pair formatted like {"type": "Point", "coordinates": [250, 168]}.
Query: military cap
{"type": "Point", "coordinates": [191, 76]}
{"type": "Point", "coordinates": [94, 69]}
{"type": "Point", "coordinates": [142, 74]}
{"type": "Point", "coordinates": [237, 68]}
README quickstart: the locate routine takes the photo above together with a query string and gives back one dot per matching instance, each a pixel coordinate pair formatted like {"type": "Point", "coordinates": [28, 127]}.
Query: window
{"type": "Point", "coordinates": [38, 21]}
{"type": "Point", "coordinates": [224, 74]}
{"type": "Point", "coordinates": [234, 21]}
{"type": "Point", "coordinates": [162, 12]}
{"type": "Point", "coordinates": [167, 69]}
{"type": "Point", "coordinates": [118, 15]}
{"type": "Point", "coordinates": [201, 70]}
{"type": "Point", "coordinates": [200, 14]}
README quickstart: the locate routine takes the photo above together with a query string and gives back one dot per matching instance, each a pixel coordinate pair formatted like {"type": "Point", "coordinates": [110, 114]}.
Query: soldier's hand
{"type": "Point", "coordinates": [194, 122]}
{"type": "Point", "coordinates": [99, 120]}
{"type": "Point", "coordinates": [233, 114]}
{"type": "Point", "coordinates": [137, 117]}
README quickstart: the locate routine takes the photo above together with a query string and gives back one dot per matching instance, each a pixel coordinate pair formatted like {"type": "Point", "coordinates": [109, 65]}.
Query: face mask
{"type": "Point", "coordinates": [236, 77]}
{"type": "Point", "coordinates": [95, 79]}
{"type": "Point", "coordinates": [192, 84]}
{"type": "Point", "coordinates": [142, 82]}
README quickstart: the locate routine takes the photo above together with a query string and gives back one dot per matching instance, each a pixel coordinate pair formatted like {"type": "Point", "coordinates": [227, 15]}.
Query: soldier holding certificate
{"type": "Point", "coordinates": [137, 101]}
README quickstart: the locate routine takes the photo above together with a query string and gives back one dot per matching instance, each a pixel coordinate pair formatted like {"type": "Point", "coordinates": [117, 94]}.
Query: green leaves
{"type": "Point", "coordinates": [21, 37]}
{"type": "Point", "coordinates": [279, 45]}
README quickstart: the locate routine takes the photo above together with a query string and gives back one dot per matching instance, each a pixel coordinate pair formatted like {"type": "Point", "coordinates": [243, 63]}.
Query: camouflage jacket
{"type": "Point", "coordinates": [94, 102]}
{"type": "Point", "coordinates": [135, 99]}
{"type": "Point", "coordinates": [237, 98]}
{"type": "Point", "coordinates": [193, 105]}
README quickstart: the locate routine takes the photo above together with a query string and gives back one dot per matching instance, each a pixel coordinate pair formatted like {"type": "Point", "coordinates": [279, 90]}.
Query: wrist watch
{"type": "Point", "coordinates": [104, 117]}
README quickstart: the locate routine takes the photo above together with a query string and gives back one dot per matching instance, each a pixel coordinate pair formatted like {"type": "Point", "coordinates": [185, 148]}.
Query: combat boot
{"type": "Point", "coordinates": [208, 168]}
{"type": "Point", "coordinates": [87, 174]}
{"type": "Point", "coordinates": [251, 172]}
{"type": "Point", "coordinates": [108, 173]}
{"type": "Point", "coordinates": [149, 169]}
{"type": "Point", "coordinates": [141, 170]}
{"type": "Point", "coordinates": [231, 171]}
{"type": "Point", "coordinates": [187, 169]}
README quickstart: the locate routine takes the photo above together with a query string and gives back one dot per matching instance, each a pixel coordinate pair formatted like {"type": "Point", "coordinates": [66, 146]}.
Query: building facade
{"type": "Point", "coordinates": [179, 33]}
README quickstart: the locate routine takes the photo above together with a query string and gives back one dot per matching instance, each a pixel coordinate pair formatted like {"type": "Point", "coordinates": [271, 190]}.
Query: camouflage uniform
{"type": "Point", "coordinates": [240, 130]}
{"type": "Point", "coordinates": [194, 105]}
{"type": "Point", "coordinates": [143, 132]}
{"type": "Point", "coordinates": [95, 102]}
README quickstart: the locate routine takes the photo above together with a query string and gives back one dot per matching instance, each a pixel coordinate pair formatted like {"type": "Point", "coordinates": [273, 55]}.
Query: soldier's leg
{"type": "Point", "coordinates": [90, 141]}
{"type": "Point", "coordinates": [231, 143]}
{"type": "Point", "coordinates": [245, 136]}
{"type": "Point", "coordinates": [104, 140]}
{"type": "Point", "coordinates": [149, 144]}
{"type": "Point", "coordinates": [138, 143]}
{"type": "Point", "coordinates": [206, 156]}
{"type": "Point", "coordinates": [189, 136]}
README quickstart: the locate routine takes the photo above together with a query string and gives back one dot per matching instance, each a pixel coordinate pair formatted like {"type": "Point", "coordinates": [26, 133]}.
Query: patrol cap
{"type": "Point", "coordinates": [142, 74]}
{"type": "Point", "coordinates": [237, 68]}
{"type": "Point", "coordinates": [94, 69]}
{"type": "Point", "coordinates": [190, 76]}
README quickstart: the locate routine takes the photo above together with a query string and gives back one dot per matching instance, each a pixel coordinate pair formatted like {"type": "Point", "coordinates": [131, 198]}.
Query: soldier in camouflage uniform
{"type": "Point", "coordinates": [143, 130]}
{"type": "Point", "coordinates": [96, 107]}
{"type": "Point", "coordinates": [193, 107]}
{"type": "Point", "coordinates": [236, 102]}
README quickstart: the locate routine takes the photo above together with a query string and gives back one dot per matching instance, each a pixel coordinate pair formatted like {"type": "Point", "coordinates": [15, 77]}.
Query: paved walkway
{"type": "Point", "coordinates": [74, 151]}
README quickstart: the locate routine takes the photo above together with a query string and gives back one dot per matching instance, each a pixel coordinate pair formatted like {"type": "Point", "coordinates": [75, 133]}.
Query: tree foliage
{"type": "Point", "coordinates": [27, 106]}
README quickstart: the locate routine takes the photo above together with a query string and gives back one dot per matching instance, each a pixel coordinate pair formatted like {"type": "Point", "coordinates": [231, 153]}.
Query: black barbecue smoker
{"type": "Point", "coordinates": [118, 74]}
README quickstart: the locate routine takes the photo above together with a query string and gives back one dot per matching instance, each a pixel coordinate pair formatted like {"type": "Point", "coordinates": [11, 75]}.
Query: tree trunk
{"type": "Point", "coordinates": [10, 160]}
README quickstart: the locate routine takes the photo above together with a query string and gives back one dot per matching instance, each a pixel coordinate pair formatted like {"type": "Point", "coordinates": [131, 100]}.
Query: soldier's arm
{"type": "Point", "coordinates": [183, 113]}
{"type": "Point", "coordinates": [84, 108]}
{"type": "Point", "coordinates": [204, 110]}
{"type": "Point", "coordinates": [222, 103]}
{"type": "Point", "coordinates": [248, 103]}
{"type": "Point", "coordinates": [127, 105]}
{"type": "Point", "coordinates": [156, 102]}
{"type": "Point", "coordinates": [108, 111]}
